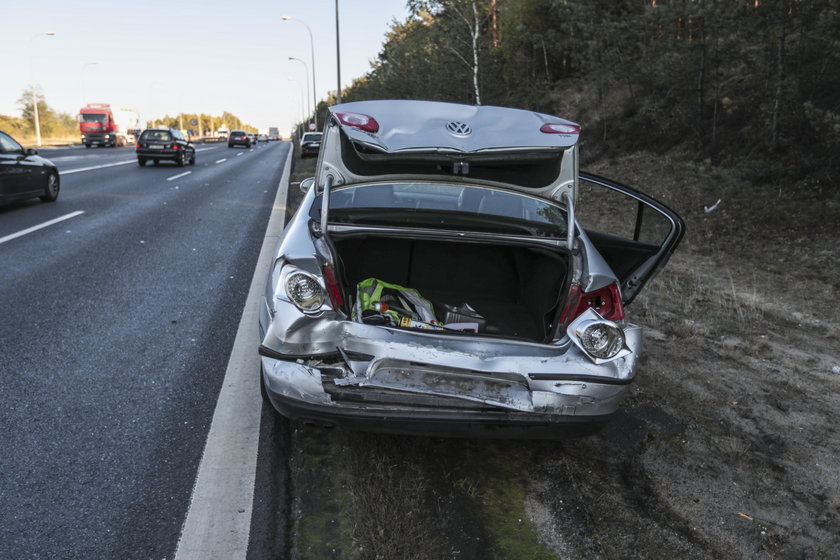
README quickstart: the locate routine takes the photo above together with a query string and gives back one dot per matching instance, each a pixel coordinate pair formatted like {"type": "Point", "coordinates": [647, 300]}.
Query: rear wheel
{"type": "Point", "coordinates": [141, 162]}
{"type": "Point", "coordinates": [51, 190]}
{"type": "Point", "coordinates": [157, 161]}
{"type": "Point", "coordinates": [87, 145]}
{"type": "Point", "coordinates": [182, 159]}
{"type": "Point", "coordinates": [192, 159]}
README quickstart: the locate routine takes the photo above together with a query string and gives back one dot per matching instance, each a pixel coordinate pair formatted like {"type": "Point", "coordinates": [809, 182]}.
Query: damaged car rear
{"type": "Point", "coordinates": [439, 279]}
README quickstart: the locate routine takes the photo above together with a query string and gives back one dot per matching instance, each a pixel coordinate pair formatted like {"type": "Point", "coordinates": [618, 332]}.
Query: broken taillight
{"type": "Point", "coordinates": [606, 301]}
{"type": "Point", "coordinates": [332, 288]}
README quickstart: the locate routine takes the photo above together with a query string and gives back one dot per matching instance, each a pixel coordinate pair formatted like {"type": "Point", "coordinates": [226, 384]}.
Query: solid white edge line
{"type": "Point", "coordinates": [41, 226]}
{"type": "Point", "coordinates": [103, 166]}
{"type": "Point", "coordinates": [184, 174]}
{"type": "Point", "coordinates": [218, 521]}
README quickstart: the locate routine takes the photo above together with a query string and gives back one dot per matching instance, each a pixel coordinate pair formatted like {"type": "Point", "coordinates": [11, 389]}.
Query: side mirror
{"type": "Point", "coordinates": [306, 184]}
{"type": "Point", "coordinates": [31, 152]}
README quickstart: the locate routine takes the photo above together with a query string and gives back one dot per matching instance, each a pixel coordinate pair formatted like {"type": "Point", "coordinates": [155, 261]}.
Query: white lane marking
{"type": "Point", "coordinates": [239, 154]}
{"type": "Point", "coordinates": [205, 149]}
{"type": "Point", "coordinates": [66, 158]}
{"type": "Point", "coordinates": [218, 521]}
{"type": "Point", "coordinates": [185, 173]}
{"type": "Point", "coordinates": [221, 160]}
{"type": "Point", "coordinates": [41, 226]}
{"type": "Point", "coordinates": [69, 171]}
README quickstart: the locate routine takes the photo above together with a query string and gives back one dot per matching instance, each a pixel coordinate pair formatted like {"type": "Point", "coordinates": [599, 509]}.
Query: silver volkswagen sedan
{"type": "Point", "coordinates": [451, 272]}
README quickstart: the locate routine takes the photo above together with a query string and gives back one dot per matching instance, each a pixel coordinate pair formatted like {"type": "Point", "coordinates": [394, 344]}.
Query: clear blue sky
{"type": "Point", "coordinates": [166, 57]}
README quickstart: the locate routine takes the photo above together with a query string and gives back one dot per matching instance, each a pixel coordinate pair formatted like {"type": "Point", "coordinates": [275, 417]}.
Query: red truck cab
{"type": "Point", "coordinates": [100, 125]}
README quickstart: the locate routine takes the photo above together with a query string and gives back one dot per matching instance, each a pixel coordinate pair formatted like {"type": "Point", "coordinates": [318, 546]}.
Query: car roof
{"type": "Point", "coordinates": [433, 126]}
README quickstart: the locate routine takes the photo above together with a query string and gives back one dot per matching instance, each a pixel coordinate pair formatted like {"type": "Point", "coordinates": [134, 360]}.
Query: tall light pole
{"type": "Point", "coordinates": [337, 57]}
{"type": "Point", "coordinates": [307, 81]}
{"type": "Point", "coordinates": [312, 55]}
{"type": "Point", "coordinates": [302, 110]}
{"type": "Point", "coordinates": [84, 88]}
{"type": "Point", "coordinates": [34, 95]}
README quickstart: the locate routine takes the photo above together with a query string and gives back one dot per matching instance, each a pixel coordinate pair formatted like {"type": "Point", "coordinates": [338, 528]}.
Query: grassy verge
{"type": "Point", "coordinates": [370, 496]}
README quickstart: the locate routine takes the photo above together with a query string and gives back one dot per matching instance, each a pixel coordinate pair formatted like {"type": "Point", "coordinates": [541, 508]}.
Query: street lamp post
{"type": "Point", "coordinates": [302, 110]}
{"type": "Point", "coordinates": [84, 83]}
{"type": "Point", "coordinates": [312, 55]}
{"type": "Point", "coordinates": [34, 95]}
{"type": "Point", "coordinates": [337, 57]}
{"type": "Point", "coordinates": [308, 104]}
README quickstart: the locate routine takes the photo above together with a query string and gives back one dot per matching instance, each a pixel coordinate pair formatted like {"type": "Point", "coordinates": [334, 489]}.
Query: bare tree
{"type": "Point", "coordinates": [469, 17]}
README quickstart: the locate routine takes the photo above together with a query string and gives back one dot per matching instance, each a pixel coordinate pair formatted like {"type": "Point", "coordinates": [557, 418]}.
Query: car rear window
{"type": "Point", "coordinates": [312, 137]}
{"type": "Point", "coordinates": [445, 206]}
{"type": "Point", "coordinates": [157, 135]}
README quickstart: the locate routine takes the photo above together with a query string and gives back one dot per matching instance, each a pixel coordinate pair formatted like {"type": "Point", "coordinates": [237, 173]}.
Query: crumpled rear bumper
{"type": "Point", "coordinates": [313, 407]}
{"type": "Point", "coordinates": [387, 380]}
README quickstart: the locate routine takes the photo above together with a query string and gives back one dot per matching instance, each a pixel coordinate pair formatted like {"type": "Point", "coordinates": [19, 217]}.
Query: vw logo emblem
{"type": "Point", "coordinates": [458, 128]}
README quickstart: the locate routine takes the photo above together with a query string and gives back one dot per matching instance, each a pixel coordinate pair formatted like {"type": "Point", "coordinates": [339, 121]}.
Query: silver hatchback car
{"type": "Point", "coordinates": [443, 276]}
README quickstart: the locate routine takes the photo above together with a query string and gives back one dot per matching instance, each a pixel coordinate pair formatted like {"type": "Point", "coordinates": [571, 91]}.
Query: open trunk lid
{"type": "Point", "coordinates": [512, 148]}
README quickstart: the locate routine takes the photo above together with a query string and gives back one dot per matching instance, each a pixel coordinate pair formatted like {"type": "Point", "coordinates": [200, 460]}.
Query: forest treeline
{"type": "Point", "coordinates": [206, 124]}
{"type": "Point", "coordinates": [752, 84]}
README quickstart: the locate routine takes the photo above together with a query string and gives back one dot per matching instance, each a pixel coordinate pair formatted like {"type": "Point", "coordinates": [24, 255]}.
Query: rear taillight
{"type": "Point", "coordinates": [138, 145]}
{"type": "Point", "coordinates": [606, 301]}
{"type": "Point", "coordinates": [560, 128]}
{"type": "Point", "coordinates": [332, 288]}
{"type": "Point", "coordinates": [358, 120]}
{"type": "Point", "coordinates": [175, 146]}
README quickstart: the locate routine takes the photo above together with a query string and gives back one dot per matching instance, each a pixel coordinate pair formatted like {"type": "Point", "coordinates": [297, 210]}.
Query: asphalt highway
{"type": "Point", "coordinates": [119, 304]}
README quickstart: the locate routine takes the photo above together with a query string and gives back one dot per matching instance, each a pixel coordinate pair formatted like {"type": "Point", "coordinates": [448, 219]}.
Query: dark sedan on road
{"type": "Point", "coordinates": [25, 174]}
{"type": "Point", "coordinates": [158, 144]}
{"type": "Point", "coordinates": [239, 138]}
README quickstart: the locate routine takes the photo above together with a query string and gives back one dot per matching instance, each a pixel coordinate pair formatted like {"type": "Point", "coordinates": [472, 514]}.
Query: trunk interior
{"type": "Point", "coordinates": [516, 289]}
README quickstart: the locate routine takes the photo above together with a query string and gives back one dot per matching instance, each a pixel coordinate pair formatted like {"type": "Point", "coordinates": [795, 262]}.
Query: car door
{"type": "Point", "coordinates": [15, 171]}
{"type": "Point", "coordinates": [634, 233]}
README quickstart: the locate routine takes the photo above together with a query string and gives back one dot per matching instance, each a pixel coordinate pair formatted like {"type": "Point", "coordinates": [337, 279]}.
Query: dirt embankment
{"type": "Point", "coordinates": [726, 447]}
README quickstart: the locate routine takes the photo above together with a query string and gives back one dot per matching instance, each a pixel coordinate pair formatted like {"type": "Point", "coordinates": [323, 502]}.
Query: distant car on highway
{"type": "Point", "coordinates": [310, 144]}
{"type": "Point", "coordinates": [254, 138]}
{"type": "Point", "coordinates": [239, 138]}
{"type": "Point", "coordinates": [156, 144]}
{"type": "Point", "coordinates": [263, 138]}
{"type": "Point", "coordinates": [25, 174]}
